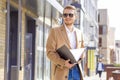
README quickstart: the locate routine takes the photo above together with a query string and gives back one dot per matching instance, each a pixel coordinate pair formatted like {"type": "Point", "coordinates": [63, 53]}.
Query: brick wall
{"type": "Point", "coordinates": [2, 37]}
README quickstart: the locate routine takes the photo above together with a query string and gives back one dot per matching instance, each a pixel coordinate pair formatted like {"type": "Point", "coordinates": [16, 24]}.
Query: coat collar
{"type": "Point", "coordinates": [64, 34]}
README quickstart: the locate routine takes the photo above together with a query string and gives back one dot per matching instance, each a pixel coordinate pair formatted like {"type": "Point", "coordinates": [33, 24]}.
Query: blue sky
{"type": "Point", "coordinates": [114, 14]}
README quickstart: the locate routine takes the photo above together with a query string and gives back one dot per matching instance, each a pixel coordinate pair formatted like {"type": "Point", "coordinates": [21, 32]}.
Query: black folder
{"type": "Point", "coordinates": [66, 54]}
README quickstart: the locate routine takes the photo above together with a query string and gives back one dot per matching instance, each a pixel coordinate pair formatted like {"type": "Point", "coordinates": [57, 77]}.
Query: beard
{"type": "Point", "coordinates": [69, 23]}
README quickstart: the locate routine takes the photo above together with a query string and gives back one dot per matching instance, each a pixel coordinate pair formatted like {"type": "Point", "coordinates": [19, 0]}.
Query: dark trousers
{"type": "Point", "coordinates": [100, 73]}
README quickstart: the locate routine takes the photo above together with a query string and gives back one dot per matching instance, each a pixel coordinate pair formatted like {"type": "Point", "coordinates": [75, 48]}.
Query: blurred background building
{"type": "Point", "coordinates": [106, 36]}
{"type": "Point", "coordinates": [24, 28]}
{"type": "Point", "coordinates": [117, 51]}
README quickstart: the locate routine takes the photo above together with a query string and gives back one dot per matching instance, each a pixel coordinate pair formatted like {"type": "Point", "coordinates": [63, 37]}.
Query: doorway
{"type": "Point", "coordinates": [13, 45]}
{"type": "Point", "coordinates": [29, 49]}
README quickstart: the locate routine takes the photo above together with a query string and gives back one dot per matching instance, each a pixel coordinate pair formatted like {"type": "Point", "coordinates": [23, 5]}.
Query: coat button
{"type": "Point", "coordinates": [65, 76]}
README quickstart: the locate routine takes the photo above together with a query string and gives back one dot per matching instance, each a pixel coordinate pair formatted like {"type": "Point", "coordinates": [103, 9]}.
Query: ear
{"type": "Point", "coordinates": [76, 16]}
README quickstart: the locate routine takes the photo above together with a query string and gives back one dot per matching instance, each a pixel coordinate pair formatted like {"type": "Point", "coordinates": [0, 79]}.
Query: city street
{"type": "Point", "coordinates": [96, 77]}
{"type": "Point", "coordinates": [32, 31]}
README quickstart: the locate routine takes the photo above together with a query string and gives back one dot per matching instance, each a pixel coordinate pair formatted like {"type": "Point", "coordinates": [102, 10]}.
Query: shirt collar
{"type": "Point", "coordinates": [68, 29]}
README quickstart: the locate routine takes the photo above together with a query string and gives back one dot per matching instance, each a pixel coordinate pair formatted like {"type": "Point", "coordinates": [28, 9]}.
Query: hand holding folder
{"type": "Point", "coordinates": [74, 54]}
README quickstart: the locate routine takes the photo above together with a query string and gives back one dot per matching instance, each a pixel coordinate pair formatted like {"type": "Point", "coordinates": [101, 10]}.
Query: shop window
{"type": "Point", "coordinates": [100, 42]}
{"type": "Point", "coordinates": [100, 29]}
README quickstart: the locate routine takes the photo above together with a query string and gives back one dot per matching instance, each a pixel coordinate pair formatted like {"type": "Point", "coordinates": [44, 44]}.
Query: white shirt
{"type": "Point", "coordinates": [71, 37]}
{"type": "Point", "coordinates": [100, 67]}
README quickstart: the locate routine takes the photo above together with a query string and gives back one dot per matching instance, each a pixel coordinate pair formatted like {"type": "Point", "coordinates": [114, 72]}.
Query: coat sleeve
{"type": "Point", "coordinates": [103, 67]}
{"type": "Point", "coordinates": [51, 49]}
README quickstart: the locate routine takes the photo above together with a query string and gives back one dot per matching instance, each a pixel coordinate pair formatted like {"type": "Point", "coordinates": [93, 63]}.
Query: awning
{"type": "Point", "coordinates": [57, 5]}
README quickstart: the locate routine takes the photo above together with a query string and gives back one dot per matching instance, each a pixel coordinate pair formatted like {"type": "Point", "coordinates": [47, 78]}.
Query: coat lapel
{"type": "Point", "coordinates": [79, 39]}
{"type": "Point", "coordinates": [64, 34]}
{"type": "Point", "coordinates": [77, 36]}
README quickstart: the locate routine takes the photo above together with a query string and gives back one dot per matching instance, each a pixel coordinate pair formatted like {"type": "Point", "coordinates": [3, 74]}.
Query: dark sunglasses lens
{"type": "Point", "coordinates": [70, 15]}
{"type": "Point", "coordinates": [65, 15]}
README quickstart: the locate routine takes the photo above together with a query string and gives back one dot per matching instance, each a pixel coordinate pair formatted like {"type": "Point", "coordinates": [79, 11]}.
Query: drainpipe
{"type": "Point", "coordinates": [51, 20]}
{"type": "Point", "coordinates": [19, 34]}
{"type": "Point", "coordinates": [7, 70]}
{"type": "Point", "coordinates": [44, 36]}
{"type": "Point", "coordinates": [51, 16]}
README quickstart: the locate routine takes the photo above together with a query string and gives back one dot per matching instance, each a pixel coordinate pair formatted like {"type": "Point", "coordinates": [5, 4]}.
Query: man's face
{"type": "Point", "coordinates": [69, 16]}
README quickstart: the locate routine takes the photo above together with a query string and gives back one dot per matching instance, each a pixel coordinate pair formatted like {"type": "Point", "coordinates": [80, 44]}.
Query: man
{"type": "Point", "coordinates": [100, 68]}
{"type": "Point", "coordinates": [67, 35]}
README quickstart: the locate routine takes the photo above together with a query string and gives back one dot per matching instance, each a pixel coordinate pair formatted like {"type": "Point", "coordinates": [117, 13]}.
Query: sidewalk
{"type": "Point", "coordinates": [96, 77]}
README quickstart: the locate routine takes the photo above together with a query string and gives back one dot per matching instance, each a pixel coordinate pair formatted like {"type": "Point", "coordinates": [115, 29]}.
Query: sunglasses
{"type": "Point", "coordinates": [69, 14]}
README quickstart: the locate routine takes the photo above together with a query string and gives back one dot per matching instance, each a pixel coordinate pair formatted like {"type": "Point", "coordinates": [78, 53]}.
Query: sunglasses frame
{"type": "Point", "coordinates": [68, 14]}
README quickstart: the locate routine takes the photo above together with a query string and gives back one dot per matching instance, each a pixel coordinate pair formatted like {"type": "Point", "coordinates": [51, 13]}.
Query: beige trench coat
{"type": "Point", "coordinates": [56, 39]}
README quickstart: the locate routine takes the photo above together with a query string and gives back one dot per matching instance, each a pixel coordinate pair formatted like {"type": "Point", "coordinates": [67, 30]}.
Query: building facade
{"type": "Point", "coordinates": [103, 34]}
{"type": "Point", "coordinates": [2, 38]}
{"type": "Point", "coordinates": [111, 44]}
{"type": "Point", "coordinates": [90, 29]}
{"type": "Point", "coordinates": [117, 51]}
{"type": "Point", "coordinates": [106, 44]}
{"type": "Point", "coordinates": [24, 28]}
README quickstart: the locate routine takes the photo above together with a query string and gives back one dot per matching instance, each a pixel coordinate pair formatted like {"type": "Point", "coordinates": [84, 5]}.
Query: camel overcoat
{"type": "Point", "coordinates": [58, 37]}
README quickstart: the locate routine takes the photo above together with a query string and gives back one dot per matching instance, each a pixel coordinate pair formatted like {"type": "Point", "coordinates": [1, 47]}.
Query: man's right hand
{"type": "Point", "coordinates": [68, 64]}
